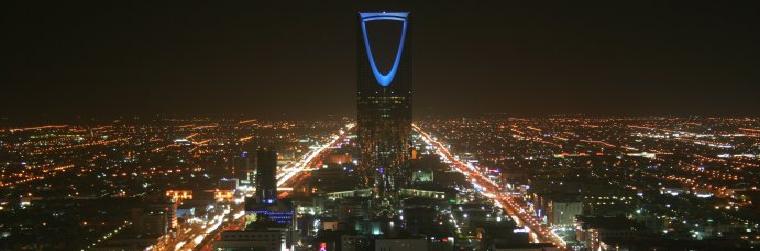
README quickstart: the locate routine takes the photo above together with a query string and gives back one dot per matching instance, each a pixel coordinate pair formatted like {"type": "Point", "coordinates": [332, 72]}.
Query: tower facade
{"type": "Point", "coordinates": [266, 181]}
{"type": "Point", "coordinates": [384, 98]}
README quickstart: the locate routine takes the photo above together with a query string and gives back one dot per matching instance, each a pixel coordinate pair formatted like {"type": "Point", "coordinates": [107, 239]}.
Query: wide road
{"type": "Point", "coordinates": [291, 170]}
{"type": "Point", "coordinates": [197, 238]}
{"type": "Point", "coordinates": [492, 190]}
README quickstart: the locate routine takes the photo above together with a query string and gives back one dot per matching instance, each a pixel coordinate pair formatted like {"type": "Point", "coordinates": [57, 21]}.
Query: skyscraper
{"type": "Point", "coordinates": [384, 93]}
{"type": "Point", "coordinates": [266, 182]}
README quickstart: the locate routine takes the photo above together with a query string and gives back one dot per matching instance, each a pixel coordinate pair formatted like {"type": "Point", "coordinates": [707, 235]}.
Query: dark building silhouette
{"type": "Point", "coordinates": [266, 181]}
{"type": "Point", "coordinates": [384, 95]}
{"type": "Point", "coordinates": [243, 162]}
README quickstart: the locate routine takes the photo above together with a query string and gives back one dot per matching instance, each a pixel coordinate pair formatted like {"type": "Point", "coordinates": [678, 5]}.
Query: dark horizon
{"type": "Point", "coordinates": [285, 60]}
{"type": "Point", "coordinates": [383, 125]}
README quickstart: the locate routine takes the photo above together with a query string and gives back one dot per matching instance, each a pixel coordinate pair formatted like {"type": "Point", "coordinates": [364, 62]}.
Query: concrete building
{"type": "Point", "coordinates": [271, 239]}
{"type": "Point", "coordinates": [562, 213]}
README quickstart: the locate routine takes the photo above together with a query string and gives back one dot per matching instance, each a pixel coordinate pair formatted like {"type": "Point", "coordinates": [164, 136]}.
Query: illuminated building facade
{"type": "Point", "coordinates": [384, 98]}
{"type": "Point", "coordinates": [223, 194]}
{"type": "Point", "coordinates": [178, 195]}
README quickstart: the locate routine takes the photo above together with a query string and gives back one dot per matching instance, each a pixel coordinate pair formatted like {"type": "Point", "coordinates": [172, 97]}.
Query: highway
{"type": "Point", "coordinates": [200, 234]}
{"type": "Point", "coordinates": [492, 190]}
{"type": "Point", "coordinates": [288, 172]}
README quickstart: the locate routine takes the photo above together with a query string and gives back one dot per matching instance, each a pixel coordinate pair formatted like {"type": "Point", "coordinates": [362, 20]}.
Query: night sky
{"type": "Point", "coordinates": [297, 59]}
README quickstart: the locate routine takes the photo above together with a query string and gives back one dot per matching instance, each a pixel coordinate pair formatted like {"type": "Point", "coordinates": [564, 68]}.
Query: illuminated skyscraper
{"type": "Point", "coordinates": [266, 182]}
{"type": "Point", "coordinates": [384, 98]}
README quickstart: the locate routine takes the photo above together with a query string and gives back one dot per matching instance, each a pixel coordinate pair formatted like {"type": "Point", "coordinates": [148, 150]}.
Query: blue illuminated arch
{"type": "Point", "coordinates": [384, 79]}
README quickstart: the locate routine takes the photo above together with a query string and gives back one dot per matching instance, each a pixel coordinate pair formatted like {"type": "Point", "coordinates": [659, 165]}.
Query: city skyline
{"type": "Point", "coordinates": [523, 59]}
{"type": "Point", "coordinates": [144, 145]}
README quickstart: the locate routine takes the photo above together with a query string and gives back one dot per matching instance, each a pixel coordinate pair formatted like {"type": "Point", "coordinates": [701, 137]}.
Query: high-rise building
{"type": "Point", "coordinates": [266, 182]}
{"type": "Point", "coordinates": [243, 164]}
{"type": "Point", "coordinates": [384, 98]}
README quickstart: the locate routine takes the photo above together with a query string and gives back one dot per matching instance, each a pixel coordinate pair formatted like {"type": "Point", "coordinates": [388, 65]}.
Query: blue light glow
{"type": "Point", "coordinates": [384, 79]}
